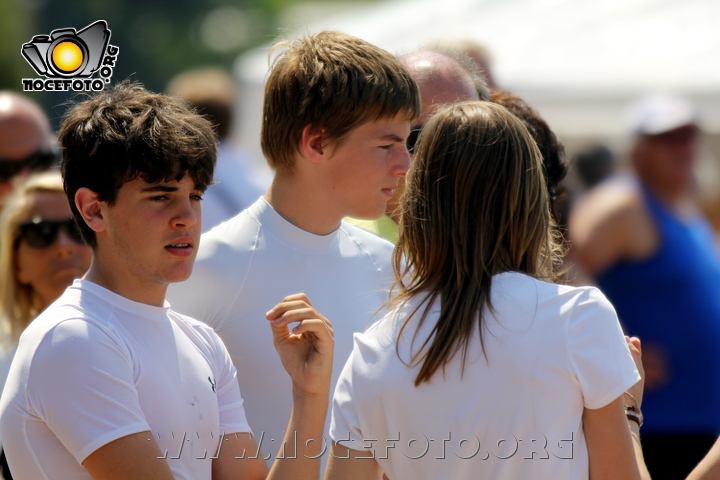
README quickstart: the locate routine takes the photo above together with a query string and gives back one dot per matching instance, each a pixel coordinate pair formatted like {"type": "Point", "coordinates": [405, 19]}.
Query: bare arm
{"type": "Point", "coordinates": [138, 457]}
{"type": "Point", "coordinates": [238, 459]}
{"type": "Point", "coordinates": [610, 446]}
{"type": "Point", "coordinates": [113, 460]}
{"type": "Point", "coordinates": [635, 395]}
{"type": "Point", "coordinates": [613, 453]}
{"type": "Point", "coordinates": [709, 468]}
{"type": "Point", "coordinates": [307, 354]}
{"type": "Point", "coordinates": [610, 225]}
{"type": "Point", "coordinates": [348, 464]}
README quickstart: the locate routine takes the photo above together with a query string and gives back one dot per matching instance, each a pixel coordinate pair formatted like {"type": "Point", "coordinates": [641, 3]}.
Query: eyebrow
{"type": "Point", "coordinates": [160, 188]}
{"type": "Point", "coordinates": [393, 137]}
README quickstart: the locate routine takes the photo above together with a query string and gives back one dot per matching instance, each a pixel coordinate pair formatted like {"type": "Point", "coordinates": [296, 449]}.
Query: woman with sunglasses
{"type": "Point", "coordinates": [41, 252]}
{"type": "Point", "coordinates": [483, 367]}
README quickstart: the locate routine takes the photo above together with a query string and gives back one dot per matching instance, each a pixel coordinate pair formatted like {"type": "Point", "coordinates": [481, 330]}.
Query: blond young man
{"type": "Point", "coordinates": [336, 116]}
{"type": "Point", "coordinates": [442, 78]}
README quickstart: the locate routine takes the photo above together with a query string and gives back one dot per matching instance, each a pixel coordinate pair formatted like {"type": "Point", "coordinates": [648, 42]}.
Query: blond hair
{"type": "Point", "coordinates": [18, 302]}
{"type": "Point", "coordinates": [333, 82]}
{"type": "Point", "coordinates": [475, 205]}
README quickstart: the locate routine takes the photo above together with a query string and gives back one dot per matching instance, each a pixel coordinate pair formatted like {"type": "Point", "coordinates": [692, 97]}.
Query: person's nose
{"type": "Point", "coordinates": [402, 162]}
{"type": "Point", "coordinates": [188, 214]}
{"type": "Point", "coordinates": [64, 244]}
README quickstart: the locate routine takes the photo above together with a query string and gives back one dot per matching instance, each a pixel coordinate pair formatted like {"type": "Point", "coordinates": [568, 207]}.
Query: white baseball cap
{"type": "Point", "coordinates": [661, 113]}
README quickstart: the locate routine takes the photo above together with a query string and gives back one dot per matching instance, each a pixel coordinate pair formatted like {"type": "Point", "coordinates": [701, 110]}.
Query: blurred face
{"type": "Point", "coordinates": [21, 140]}
{"type": "Point", "coordinates": [150, 237]}
{"type": "Point", "coordinates": [366, 166]}
{"type": "Point", "coordinates": [48, 257]}
{"type": "Point", "coordinates": [667, 159]}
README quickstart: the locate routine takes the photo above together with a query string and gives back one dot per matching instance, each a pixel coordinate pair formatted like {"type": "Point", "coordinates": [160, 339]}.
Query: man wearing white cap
{"type": "Point", "coordinates": [654, 256]}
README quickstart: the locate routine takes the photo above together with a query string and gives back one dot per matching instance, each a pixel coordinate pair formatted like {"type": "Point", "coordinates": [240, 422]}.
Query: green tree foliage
{"type": "Point", "coordinates": [157, 38]}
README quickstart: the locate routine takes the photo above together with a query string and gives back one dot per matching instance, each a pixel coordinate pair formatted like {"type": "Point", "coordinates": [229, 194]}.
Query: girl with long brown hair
{"type": "Point", "coordinates": [482, 367]}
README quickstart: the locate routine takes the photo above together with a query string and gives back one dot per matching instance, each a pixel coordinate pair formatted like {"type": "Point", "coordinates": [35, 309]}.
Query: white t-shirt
{"type": "Point", "coordinates": [248, 265]}
{"type": "Point", "coordinates": [7, 351]}
{"type": "Point", "coordinates": [95, 367]}
{"type": "Point", "coordinates": [551, 350]}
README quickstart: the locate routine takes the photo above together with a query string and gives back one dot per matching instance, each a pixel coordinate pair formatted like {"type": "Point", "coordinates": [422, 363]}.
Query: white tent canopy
{"type": "Point", "coordinates": [579, 62]}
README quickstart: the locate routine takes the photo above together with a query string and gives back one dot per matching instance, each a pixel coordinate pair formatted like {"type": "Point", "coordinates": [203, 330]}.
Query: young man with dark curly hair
{"type": "Point", "coordinates": [111, 383]}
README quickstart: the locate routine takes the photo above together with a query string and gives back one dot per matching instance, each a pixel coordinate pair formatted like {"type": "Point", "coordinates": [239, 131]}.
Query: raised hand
{"type": "Point", "coordinates": [636, 391]}
{"type": "Point", "coordinates": [306, 352]}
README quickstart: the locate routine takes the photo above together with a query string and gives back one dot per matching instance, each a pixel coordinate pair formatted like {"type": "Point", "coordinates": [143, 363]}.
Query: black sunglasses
{"type": "Point", "coordinates": [412, 138]}
{"type": "Point", "coordinates": [43, 233]}
{"type": "Point", "coordinates": [36, 162]}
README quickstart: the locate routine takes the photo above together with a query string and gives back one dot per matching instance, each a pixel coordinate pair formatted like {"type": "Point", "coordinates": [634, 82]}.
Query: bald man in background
{"type": "Point", "coordinates": [443, 78]}
{"type": "Point", "coordinates": [477, 53]}
{"type": "Point", "coordinates": [25, 139]}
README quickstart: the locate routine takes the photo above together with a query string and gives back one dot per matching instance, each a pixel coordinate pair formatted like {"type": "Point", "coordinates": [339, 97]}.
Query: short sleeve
{"type": "Point", "coordinates": [598, 353]}
{"type": "Point", "coordinates": [81, 384]}
{"type": "Point", "coordinates": [344, 420]}
{"type": "Point", "coordinates": [230, 401]}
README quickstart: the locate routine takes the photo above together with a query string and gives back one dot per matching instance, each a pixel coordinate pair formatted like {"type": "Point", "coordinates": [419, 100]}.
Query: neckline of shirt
{"type": "Point", "coordinates": [289, 234]}
{"type": "Point", "coordinates": [123, 303]}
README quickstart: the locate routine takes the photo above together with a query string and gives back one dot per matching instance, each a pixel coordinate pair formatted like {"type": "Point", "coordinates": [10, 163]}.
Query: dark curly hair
{"type": "Point", "coordinates": [126, 132]}
{"type": "Point", "coordinates": [553, 152]}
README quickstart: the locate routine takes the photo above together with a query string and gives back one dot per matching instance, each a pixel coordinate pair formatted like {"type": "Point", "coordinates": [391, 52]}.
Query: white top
{"type": "Point", "coordinates": [239, 184]}
{"type": "Point", "coordinates": [551, 350]}
{"type": "Point", "coordinates": [7, 352]}
{"type": "Point", "coordinates": [248, 265]}
{"type": "Point", "coordinates": [95, 367]}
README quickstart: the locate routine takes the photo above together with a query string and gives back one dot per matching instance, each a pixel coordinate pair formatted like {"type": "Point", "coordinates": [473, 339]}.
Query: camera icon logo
{"type": "Point", "coordinates": [69, 58]}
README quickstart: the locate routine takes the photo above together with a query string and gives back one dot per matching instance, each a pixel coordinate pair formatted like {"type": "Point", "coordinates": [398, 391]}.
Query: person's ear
{"type": "Point", "coordinates": [312, 144]}
{"type": "Point", "coordinates": [90, 208]}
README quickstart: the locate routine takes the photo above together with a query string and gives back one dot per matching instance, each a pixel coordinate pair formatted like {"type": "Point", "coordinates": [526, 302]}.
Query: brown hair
{"type": "Point", "coordinates": [552, 151]}
{"type": "Point", "coordinates": [335, 83]}
{"type": "Point", "coordinates": [475, 205]}
{"type": "Point", "coordinates": [128, 132]}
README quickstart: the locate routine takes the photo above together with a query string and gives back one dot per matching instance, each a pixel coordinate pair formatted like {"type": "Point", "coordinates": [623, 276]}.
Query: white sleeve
{"type": "Point", "coordinates": [230, 401]}
{"type": "Point", "coordinates": [344, 420]}
{"type": "Point", "coordinates": [81, 384]}
{"type": "Point", "coordinates": [598, 353]}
